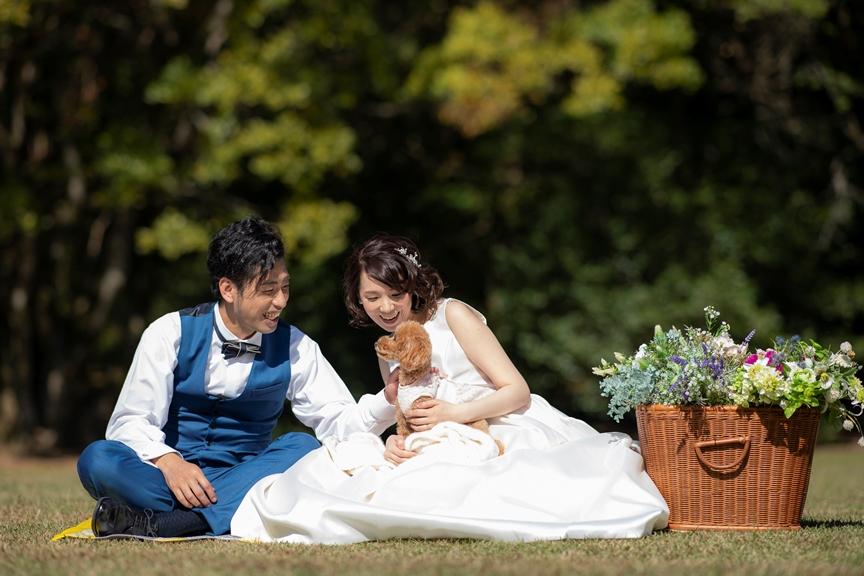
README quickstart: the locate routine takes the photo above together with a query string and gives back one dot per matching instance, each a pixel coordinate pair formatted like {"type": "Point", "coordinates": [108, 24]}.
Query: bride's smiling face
{"type": "Point", "coordinates": [386, 306]}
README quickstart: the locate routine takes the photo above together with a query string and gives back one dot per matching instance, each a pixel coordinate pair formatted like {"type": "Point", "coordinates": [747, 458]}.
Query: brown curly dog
{"type": "Point", "coordinates": [411, 347]}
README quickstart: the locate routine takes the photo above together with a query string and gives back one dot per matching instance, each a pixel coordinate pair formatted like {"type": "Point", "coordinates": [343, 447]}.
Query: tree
{"type": "Point", "coordinates": [580, 171]}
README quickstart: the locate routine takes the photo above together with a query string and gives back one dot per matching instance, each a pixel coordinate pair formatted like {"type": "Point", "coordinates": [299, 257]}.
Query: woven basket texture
{"type": "Point", "coordinates": [729, 468]}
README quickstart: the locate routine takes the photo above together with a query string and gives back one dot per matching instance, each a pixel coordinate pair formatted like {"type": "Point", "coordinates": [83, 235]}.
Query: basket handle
{"type": "Point", "coordinates": [745, 440]}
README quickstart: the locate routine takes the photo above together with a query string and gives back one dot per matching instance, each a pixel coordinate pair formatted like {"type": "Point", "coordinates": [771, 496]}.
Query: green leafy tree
{"type": "Point", "coordinates": [580, 171]}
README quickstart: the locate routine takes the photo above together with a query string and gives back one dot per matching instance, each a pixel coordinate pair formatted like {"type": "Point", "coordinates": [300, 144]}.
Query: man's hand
{"type": "Point", "coordinates": [391, 388]}
{"type": "Point", "coordinates": [395, 450]}
{"type": "Point", "coordinates": [186, 481]}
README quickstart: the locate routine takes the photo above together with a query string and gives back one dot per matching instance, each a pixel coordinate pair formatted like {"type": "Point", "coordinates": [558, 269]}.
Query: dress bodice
{"type": "Point", "coordinates": [447, 355]}
{"type": "Point", "coordinates": [460, 380]}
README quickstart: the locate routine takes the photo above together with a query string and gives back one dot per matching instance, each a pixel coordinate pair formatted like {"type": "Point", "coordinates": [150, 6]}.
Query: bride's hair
{"type": "Point", "coordinates": [393, 261]}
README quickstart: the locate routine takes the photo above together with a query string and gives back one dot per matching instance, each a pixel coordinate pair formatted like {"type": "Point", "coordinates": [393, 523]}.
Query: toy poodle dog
{"type": "Point", "coordinates": [411, 347]}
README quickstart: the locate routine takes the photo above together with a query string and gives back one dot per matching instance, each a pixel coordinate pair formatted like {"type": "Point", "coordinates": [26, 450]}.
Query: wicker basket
{"type": "Point", "coordinates": [729, 468]}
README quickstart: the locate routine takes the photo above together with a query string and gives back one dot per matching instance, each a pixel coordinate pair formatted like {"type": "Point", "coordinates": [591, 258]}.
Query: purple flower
{"type": "Point", "coordinates": [678, 360]}
{"type": "Point", "coordinates": [716, 366]}
{"type": "Point", "coordinates": [774, 359]}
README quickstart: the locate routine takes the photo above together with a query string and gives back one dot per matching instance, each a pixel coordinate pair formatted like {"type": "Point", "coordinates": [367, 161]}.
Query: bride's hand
{"type": "Point", "coordinates": [429, 412]}
{"type": "Point", "coordinates": [394, 450]}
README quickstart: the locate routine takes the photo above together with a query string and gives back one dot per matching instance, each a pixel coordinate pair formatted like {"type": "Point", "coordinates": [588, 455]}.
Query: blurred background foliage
{"type": "Point", "coordinates": [580, 171]}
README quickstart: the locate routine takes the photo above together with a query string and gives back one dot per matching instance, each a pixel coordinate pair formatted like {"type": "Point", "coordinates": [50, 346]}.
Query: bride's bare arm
{"type": "Point", "coordinates": [485, 352]}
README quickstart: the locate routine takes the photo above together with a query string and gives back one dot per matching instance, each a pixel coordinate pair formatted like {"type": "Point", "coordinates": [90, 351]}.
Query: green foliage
{"type": "Point", "coordinates": [753, 9]}
{"type": "Point", "coordinates": [172, 235]}
{"type": "Point", "coordinates": [315, 231]}
{"type": "Point", "coordinates": [264, 104]}
{"type": "Point", "coordinates": [579, 171]}
{"type": "Point", "coordinates": [487, 63]}
{"type": "Point", "coordinates": [18, 212]}
{"type": "Point", "coordinates": [286, 149]}
{"type": "Point", "coordinates": [641, 43]}
{"type": "Point", "coordinates": [493, 65]}
{"type": "Point", "coordinates": [14, 13]}
{"type": "Point", "coordinates": [131, 166]}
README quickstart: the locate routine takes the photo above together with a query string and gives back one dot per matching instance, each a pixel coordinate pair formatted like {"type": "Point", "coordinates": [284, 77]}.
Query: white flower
{"type": "Point", "coordinates": [723, 341]}
{"type": "Point", "coordinates": [841, 360]}
{"type": "Point", "coordinates": [861, 441]}
{"type": "Point", "coordinates": [848, 425]}
{"type": "Point", "coordinates": [833, 395]}
{"type": "Point", "coordinates": [845, 348]}
{"type": "Point", "coordinates": [727, 346]}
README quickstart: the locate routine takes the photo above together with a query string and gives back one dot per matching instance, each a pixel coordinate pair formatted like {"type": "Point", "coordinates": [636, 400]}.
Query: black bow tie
{"type": "Point", "coordinates": [234, 348]}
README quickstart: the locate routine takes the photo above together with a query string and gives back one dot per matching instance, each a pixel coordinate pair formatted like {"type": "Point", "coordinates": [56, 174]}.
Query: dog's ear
{"type": "Point", "coordinates": [386, 348]}
{"type": "Point", "coordinates": [416, 353]}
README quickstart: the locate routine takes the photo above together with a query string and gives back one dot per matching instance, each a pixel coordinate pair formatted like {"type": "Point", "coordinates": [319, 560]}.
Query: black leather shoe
{"type": "Point", "coordinates": [114, 517]}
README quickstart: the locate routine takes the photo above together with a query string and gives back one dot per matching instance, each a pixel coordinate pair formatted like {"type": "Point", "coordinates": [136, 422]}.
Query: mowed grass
{"type": "Point", "coordinates": [38, 498]}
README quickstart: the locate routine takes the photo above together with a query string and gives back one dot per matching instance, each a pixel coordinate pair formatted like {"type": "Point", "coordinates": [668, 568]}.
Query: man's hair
{"type": "Point", "coordinates": [244, 251]}
{"type": "Point", "coordinates": [395, 262]}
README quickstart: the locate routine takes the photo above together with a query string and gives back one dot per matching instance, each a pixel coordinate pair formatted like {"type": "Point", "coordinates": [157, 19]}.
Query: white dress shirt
{"type": "Point", "coordinates": [318, 397]}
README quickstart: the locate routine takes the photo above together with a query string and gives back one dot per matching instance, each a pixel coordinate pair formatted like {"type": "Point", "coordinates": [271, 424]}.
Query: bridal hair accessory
{"type": "Point", "coordinates": [412, 257]}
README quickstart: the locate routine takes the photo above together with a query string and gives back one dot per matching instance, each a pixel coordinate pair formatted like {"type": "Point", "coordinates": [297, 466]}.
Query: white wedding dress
{"type": "Point", "coordinates": [558, 478]}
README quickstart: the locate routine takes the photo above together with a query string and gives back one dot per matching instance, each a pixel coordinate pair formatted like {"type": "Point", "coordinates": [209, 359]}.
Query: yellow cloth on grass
{"type": "Point", "coordinates": [84, 530]}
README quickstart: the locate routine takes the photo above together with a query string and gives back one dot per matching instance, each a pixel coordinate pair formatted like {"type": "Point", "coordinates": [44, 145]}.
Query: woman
{"type": "Point", "coordinates": [558, 477]}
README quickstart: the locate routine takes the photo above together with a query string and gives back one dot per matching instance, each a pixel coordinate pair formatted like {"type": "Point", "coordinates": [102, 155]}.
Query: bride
{"type": "Point", "coordinates": [557, 478]}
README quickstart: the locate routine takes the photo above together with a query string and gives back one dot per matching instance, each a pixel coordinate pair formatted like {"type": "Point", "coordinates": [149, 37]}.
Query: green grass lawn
{"type": "Point", "coordinates": [40, 497]}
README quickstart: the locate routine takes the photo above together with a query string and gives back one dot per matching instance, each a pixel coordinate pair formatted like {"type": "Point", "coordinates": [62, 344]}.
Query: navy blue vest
{"type": "Point", "coordinates": [212, 431]}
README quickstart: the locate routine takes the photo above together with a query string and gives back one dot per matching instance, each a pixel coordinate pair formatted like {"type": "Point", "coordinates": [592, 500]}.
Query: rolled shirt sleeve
{"type": "Point", "coordinates": [321, 400]}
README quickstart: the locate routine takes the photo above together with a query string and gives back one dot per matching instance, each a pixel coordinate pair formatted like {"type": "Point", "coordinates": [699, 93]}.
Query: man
{"type": "Point", "coordinates": [191, 431]}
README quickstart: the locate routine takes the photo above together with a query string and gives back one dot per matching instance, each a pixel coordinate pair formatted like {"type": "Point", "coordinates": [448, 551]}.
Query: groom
{"type": "Point", "coordinates": [191, 431]}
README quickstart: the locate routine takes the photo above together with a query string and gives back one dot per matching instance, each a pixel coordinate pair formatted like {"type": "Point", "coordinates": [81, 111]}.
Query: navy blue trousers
{"type": "Point", "coordinates": [110, 468]}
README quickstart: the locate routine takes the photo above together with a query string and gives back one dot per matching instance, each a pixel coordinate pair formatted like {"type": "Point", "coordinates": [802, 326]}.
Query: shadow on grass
{"type": "Point", "coordinates": [832, 523]}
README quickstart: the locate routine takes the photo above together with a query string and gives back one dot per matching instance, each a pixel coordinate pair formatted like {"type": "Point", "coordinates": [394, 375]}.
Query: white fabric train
{"type": "Point", "coordinates": [591, 485]}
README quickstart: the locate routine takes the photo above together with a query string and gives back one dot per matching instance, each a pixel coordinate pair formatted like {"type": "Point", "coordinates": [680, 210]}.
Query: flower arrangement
{"type": "Point", "coordinates": [707, 367]}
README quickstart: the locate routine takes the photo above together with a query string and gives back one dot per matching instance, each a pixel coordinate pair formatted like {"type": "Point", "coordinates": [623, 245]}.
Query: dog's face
{"type": "Point", "coordinates": [387, 348]}
{"type": "Point", "coordinates": [409, 345]}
